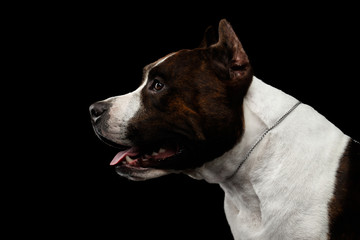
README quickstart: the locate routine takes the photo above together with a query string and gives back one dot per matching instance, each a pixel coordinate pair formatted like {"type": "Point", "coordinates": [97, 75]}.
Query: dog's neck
{"type": "Point", "coordinates": [263, 106]}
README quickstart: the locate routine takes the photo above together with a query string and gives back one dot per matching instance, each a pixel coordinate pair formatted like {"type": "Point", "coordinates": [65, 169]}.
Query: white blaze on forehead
{"type": "Point", "coordinates": [151, 66]}
{"type": "Point", "coordinates": [163, 59]}
{"type": "Point", "coordinates": [124, 107]}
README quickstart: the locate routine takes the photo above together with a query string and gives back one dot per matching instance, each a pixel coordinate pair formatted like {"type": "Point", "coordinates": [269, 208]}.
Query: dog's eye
{"type": "Point", "coordinates": [156, 85]}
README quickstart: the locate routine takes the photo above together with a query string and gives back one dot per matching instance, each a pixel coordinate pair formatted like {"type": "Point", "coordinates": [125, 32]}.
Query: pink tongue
{"type": "Point", "coordinates": [121, 155]}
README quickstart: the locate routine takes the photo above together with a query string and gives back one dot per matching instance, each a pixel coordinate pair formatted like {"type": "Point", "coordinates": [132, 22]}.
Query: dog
{"type": "Point", "coordinates": [287, 172]}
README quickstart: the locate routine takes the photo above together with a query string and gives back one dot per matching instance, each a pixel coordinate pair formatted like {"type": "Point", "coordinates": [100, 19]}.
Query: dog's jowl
{"type": "Point", "coordinates": [287, 172]}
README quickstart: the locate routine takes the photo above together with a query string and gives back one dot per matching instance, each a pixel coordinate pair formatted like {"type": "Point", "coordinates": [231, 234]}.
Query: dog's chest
{"type": "Point", "coordinates": [280, 200]}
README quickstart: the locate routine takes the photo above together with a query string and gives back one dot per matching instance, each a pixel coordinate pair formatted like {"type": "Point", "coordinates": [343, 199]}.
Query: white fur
{"type": "Point", "coordinates": [124, 107]}
{"type": "Point", "coordinates": [283, 189]}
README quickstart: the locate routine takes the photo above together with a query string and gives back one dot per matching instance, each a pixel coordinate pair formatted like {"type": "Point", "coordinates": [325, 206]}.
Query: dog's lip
{"type": "Point", "coordinates": [111, 143]}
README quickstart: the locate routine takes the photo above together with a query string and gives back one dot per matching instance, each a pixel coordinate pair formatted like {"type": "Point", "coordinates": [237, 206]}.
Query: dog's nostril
{"type": "Point", "coordinates": [97, 109]}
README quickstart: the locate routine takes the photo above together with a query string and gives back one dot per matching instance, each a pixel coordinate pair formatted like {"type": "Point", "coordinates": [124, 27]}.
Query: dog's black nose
{"type": "Point", "coordinates": [97, 109]}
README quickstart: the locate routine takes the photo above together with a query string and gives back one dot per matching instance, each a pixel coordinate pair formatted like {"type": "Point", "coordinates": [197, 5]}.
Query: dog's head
{"type": "Point", "coordinates": [187, 110]}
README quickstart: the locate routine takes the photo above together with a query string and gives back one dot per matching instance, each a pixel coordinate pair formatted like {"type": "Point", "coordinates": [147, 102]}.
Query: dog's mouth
{"type": "Point", "coordinates": [161, 155]}
{"type": "Point", "coordinates": [148, 157]}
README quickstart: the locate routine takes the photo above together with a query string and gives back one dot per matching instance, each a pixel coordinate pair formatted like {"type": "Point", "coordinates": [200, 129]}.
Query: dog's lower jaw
{"type": "Point", "coordinates": [285, 183]}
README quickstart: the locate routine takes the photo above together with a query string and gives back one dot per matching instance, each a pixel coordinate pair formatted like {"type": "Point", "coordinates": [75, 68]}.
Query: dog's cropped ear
{"type": "Point", "coordinates": [210, 37]}
{"type": "Point", "coordinates": [229, 55]}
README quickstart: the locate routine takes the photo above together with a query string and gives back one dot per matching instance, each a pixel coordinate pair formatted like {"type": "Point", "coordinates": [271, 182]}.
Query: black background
{"type": "Point", "coordinates": [68, 56]}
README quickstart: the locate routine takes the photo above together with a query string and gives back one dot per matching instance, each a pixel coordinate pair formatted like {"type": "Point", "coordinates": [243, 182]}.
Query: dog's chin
{"type": "Point", "coordinates": [140, 173]}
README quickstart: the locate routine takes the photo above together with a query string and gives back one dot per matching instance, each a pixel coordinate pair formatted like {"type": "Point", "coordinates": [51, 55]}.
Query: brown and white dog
{"type": "Point", "coordinates": [287, 172]}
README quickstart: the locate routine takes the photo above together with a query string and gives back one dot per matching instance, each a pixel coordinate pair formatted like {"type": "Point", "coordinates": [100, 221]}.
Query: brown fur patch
{"type": "Point", "coordinates": [344, 208]}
